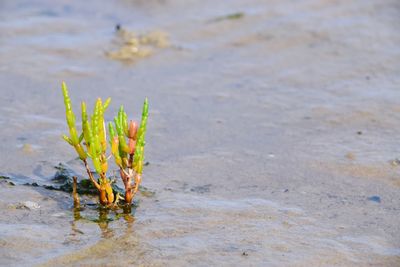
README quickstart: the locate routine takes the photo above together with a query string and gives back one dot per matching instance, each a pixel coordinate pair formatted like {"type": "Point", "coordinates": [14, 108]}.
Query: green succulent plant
{"type": "Point", "coordinates": [127, 142]}
{"type": "Point", "coordinates": [129, 154]}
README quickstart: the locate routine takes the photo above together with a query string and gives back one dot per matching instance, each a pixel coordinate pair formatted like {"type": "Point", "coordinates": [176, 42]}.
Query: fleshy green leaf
{"type": "Point", "coordinates": [67, 139]}
{"type": "Point", "coordinates": [81, 153]}
{"type": "Point", "coordinates": [106, 104]}
{"type": "Point", "coordinates": [111, 132]}
{"type": "Point", "coordinates": [122, 142]}
{"type": "Point", "coordinates": [139, 150]}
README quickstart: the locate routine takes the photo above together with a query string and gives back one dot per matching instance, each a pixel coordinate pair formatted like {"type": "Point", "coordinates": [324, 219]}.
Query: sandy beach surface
{"type": "Point", "coordinates": [273, 133]}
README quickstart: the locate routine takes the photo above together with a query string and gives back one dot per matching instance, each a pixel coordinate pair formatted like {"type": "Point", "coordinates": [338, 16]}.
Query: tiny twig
{"type": "Point", "coordinates": [138, 179]}
{"type": "Point", "coordinates": [96, 184]}
{"type": "Point", "coordinates": [127, 174]}
{"type": "Point", "coordinates": [130, 160]}
{"type": "Point", "coordinates": [75, 193]}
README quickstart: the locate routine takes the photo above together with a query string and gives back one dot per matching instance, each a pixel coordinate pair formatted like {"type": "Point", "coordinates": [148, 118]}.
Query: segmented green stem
{"type": "Point", "coordinates": [73, 139]}
{"type": "Point", "coordinates": [140, 143]}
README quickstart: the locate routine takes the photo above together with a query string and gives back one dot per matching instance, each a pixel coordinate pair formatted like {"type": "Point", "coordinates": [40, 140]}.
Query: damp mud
{"type": "Point", "coordinates": [272, 134]}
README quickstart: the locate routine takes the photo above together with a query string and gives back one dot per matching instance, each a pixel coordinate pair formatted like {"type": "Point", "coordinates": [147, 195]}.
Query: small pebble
{"type": "Point", "coordinates": [30, 205]}
{"type": "Point", "coordinates": [350, 156]}
{"type": "Point", "coordinates": [395, 162]}
{"type": "Point", "coordinates": [376, 199]}
{"type": "Point", "coordinates": [59, 214]}
{"type": "Point", "coordinates": [27, 148]}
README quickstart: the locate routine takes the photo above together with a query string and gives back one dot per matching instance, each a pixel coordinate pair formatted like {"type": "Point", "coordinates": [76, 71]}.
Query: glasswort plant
{"type": "Point", "coordinates": [92, 143]}
{"type": "Point", "coordinates": [129, 156]}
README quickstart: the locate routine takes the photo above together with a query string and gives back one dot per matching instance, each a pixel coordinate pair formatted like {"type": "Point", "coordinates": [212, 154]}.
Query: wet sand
{"type": "Point", "coordinates": [271, 135]}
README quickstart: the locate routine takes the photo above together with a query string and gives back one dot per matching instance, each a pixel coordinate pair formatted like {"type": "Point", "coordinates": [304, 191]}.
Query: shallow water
{"type": "Point", "coordinates": [268, 133]}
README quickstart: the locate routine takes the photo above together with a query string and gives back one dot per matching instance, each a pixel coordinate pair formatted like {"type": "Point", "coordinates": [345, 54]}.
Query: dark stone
{"type": "Point", "coordinates": [201, 189]}
{"type": "Point", "coordinates": [376, 199]}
